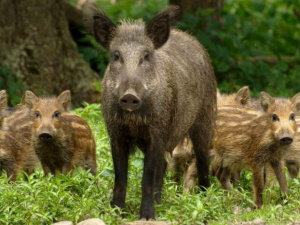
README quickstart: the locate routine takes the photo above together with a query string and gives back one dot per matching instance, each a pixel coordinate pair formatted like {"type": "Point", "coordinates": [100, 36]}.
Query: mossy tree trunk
{"type": "Point", "coordinates": [37, 49]}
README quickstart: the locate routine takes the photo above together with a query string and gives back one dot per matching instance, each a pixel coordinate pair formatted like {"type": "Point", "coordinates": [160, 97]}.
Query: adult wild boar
{"type": "Point", "coordinates": [15, 140]}
{"type": "Point", "coordinates": [60, 139]}
{"type": "Point", "coordinates": [158, 88]}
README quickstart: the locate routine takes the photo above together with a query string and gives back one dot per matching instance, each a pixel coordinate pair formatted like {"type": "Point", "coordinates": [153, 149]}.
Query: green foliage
{"type": "Point", "coordinates": [13, 87]}
{"type": "Point", "coordinates": [39, 199]}
{"type": "Point", "coordinates": [255, 43]}
{"type": "Point", "coordinates": [249, 35]}
{"type": "Point", "coordinates": [126, 9]}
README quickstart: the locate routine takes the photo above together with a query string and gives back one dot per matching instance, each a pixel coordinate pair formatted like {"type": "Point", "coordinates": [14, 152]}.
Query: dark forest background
{"type": "Point", "coordinates": [45, 48]}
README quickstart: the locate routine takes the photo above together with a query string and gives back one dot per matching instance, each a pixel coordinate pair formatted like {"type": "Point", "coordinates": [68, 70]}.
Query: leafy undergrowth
{"type": "Point", "coordinates": [36, 199]}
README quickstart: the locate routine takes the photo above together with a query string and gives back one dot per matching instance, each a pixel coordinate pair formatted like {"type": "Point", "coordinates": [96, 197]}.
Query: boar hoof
{"type": "Point", "coordinates": [258, 206]}
{"type": "Point", "coordinates": [147, 212]}
{"type": "Point", "coordinates": [119, 204]}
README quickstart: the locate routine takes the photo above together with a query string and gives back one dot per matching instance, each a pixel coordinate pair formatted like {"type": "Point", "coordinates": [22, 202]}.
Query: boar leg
{"type": "Point", "coordinates": [120, 153]}
{"type": "Point", "coordinates": [189, 177]}
{"type": "Point", "coordinates": [154, 156]}
{"type": "Point", "coordinates": [216, 165]}
{"type": "Point", "coordinates": [279, 172]}
{"type": "Point", "coordinates": [12, 175]}
{"type": "Point", "coordinates": [200, 136]}
{"type": "Point", "coordinates": [66, 169]}
{"type": "Point", "coordinates": [93, 168]}
{"type": "Point", "coordinates": [159, 178]}
{"type": "Point", "coordinates": [224, 177]}
{"type": "Point", "coordinates": [45, 169]}
{"type": "Point", "coordinates": [235, 177]}
{"type": "Point", "coordinates": [11, 170]}
{"type": "Point", "coordinates": [177, 169]}
{"type": "Point", "coordinates": [49, 169]}
{"type": "Point", "coordinates": [258, 184]}
{"type": "Point", "coordinates": [293, 169]}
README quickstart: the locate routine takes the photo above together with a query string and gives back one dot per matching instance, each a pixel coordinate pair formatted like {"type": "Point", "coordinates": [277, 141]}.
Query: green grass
{"type": "Point", "coordinates": [44, 200]}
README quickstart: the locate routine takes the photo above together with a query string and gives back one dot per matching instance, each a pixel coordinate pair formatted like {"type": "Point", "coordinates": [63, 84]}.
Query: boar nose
{"type": "Point", "coordinates": [130, 102]}
{"type": "Point", "coordinates": [286, 140]}
{"type": "Point", "coordinates": [45, 137]}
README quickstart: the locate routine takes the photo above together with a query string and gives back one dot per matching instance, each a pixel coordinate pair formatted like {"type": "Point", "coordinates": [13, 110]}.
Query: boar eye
{"type": "Point", "coordinates": [37, 114]}
{"type": "Point", "coordinates": [56, 114]}
{"type": "Point", "coordinates": [116, 56]}
{"type": "Point", "coordinates": [146, 56]}
{"type": "Point", "coordinates": [292, 117]}
{"type": "Point", "coordinates": [275, 118]}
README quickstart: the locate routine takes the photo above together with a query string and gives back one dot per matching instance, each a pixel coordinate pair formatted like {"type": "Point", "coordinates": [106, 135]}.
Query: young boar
{"type": "Point", "coordinates": [182, 161]}
{"type": "Point", "coordinates": [250, 138]}
{"type": "Point", "coordinates": [158, 88]}
{"type": "Point", "coordinates": [292, 157]}
{"type": "Point", "coordinates": [61, 140]}
{"type": "Point", "coordinates": [15, 140]}
{"type": "Point", "coordinates": [241, 97]}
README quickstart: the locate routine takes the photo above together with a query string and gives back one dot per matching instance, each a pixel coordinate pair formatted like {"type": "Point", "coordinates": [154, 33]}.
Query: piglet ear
{"type": "Point", "coordinates": [103, 28]}
{"type": "Point", "coordinates": [266, 100]}
{"type": "Point", "coordinates": [65, 99]}
{"type": "Point", "coordinates": [3, 99]}
{"type": "Point", "coordinates": [30, 99]}
{"type": "Point", "coordinates": [243, 95]}
{"type": "Point", "coordinates": [296, 101]}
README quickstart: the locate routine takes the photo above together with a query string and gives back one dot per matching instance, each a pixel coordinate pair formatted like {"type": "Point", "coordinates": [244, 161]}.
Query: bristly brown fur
{"type": "Point", "coordinates": [71, 144]}
{"type": "Point", "coordinates": [16, 153]}
{"type": "Point", "coordinates": [258, 141]}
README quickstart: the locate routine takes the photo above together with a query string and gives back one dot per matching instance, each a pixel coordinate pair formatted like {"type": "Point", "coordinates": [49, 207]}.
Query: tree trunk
{"type": "Point", "coordinates": [37, 48]}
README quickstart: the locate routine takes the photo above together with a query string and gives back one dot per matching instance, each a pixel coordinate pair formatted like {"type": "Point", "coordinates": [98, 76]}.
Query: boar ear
{"type": "Point", "coordinates": [266, 100]}
{"type": "Point", "coordinates": [30, 99]}
{"type": "Point", "coordinates": [3, 99]}
{"type": "Point", "coordinates": [158, 30]}
{"type": "Point", "coordinates": [65, 99]}
{"type": "Point", "coordinates": [296, 101]}
{"type": "Point", "coordinates": [103, 28]}
{"type": "Point", "coordinates": [174, 12]}
{"type": "Point", "coordinates": [243, 96]}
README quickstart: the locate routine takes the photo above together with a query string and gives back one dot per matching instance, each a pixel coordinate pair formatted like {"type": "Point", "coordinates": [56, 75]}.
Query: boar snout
{"type": "Point", "coordinates": [130, 101]}
{"type": "Point", "coordinates": [286, 140]}
{"type": "Point", "coordinates": [45, 137]}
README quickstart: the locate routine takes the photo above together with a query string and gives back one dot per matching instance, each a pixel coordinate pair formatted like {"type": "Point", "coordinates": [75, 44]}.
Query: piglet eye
{"type": "Point", "coordinates": [56, 114]}
{"type": "Point", "coordinates": [116, 56]}
{"type": "Point", "coordinates": [147, 56]}
{"type": "Point", "coordinates": [292, 117]}
{"type": "Point", "coordinates": [275, 118]}
{"type": "Point", "coordinates": [37, 114]}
